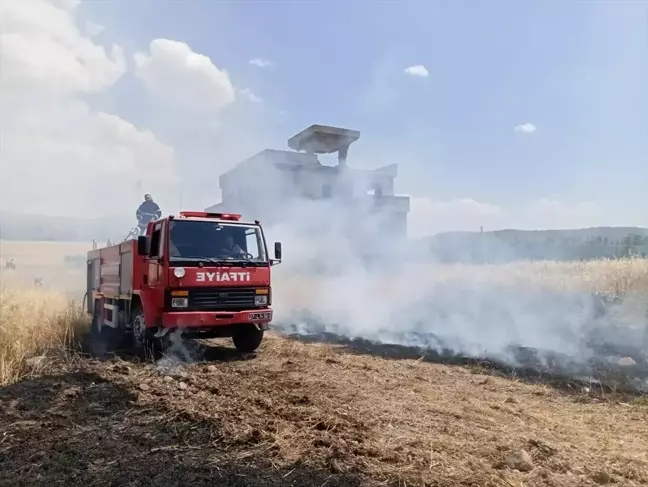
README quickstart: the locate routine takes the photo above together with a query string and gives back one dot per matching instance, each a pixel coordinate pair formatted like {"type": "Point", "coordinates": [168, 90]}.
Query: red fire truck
{"type": "Point", "coordinates": [205, 275]}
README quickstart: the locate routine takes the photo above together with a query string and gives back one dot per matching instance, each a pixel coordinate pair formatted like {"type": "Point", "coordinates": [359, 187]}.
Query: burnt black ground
{"type": "Point", "coordinates": [299, 414]}
{"type": "Point", "coordinates": [531, 365]}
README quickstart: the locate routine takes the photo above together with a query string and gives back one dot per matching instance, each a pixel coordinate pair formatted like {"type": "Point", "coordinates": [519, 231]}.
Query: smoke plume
{"type": "Point", "coordinates": [342, 276]}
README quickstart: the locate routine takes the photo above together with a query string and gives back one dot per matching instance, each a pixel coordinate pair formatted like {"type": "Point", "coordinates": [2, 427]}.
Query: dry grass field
{"type": "Point", "coordinates": [33, 323]}
{"type": "Point", "coordinates": [45, 260]}
{"type": "Point", "coordinates": [612, 277]}
{"type": "Point", "coordinates": [35, 254]}
{"type": "Point", "coordinates": [300, 413]}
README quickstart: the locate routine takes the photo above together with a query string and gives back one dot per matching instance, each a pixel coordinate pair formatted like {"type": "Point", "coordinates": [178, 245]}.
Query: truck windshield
{"type": "Point", "coordinates": [196, 240]}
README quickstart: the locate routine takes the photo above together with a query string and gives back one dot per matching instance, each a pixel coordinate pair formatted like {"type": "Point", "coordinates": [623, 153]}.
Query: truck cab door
{"type": "Point", "coordinates": [155, 261]}
{"type": "Point", "coordinates": [154, 277]}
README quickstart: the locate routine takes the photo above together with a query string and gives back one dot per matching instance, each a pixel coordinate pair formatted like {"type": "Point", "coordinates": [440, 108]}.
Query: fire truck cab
{"type": "Point", "coordinates": [205, 275]}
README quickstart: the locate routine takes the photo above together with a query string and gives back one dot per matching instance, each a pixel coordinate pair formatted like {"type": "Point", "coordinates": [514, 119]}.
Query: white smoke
{"type": "Point", "coordinates": [399, 294]}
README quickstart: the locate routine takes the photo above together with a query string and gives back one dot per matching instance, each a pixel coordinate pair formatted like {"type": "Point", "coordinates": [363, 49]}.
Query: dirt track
{"type": "Point", "coordinates": [311, 414]}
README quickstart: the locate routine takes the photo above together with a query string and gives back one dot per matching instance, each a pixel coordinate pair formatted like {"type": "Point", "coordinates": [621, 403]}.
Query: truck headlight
{"type": "Point", "coordinates": [179, 272]}
{"type": "Point", "coordinates": [179, 302]}
{"type": "Point", "coordinates": [260, 300]}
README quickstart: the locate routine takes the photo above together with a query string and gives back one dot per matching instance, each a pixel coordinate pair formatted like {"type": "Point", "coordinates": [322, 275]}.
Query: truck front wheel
{"type": "Point", "coordinates": [247, 338]}
{"type": "Point", "coordinates": [144, 341]}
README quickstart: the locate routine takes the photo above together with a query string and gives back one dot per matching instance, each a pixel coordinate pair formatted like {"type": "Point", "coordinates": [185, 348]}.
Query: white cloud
{"type": "Point", "coordinates": [261, 63]}
{"type": "Point", "coordinates": [173, 72]}
{"type": "Point", "coordinates": [59, 154]}
{"type": "Point", "coordinates": [250, 95]}
{"type": "Point", "coordinates": [93, 29]}
{"type": "Point", "coordinates": [525, 128]}
{"type": "Point", "coordinates": [43, 51]}
{"type": "Point", "coordinates": [418, 70]}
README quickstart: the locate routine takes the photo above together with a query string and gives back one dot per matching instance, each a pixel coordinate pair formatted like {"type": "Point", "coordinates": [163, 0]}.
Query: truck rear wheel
{"type": "Point", "coordinates": [145, 344]}
{"type": "Point", "coordinates": [103, 338]}
{"type": "Point", "coordinates": [96, 344]}
{"type": "Point", "coordinates": [247, 338]}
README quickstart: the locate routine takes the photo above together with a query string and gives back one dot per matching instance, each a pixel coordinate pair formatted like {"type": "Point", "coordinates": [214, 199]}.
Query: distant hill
{"type": "Point", "coordinates": [507, 245]}
{"type": "Point", "coordinates": [493, 246]}
{"type": "Point", "coordinates": [582, 234]}
{"type": "Point", "coordinates": [15, 226]}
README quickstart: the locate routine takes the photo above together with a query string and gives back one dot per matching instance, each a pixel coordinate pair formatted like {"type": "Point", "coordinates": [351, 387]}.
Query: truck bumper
{"type": "Point", "coordinates": [206, 319]}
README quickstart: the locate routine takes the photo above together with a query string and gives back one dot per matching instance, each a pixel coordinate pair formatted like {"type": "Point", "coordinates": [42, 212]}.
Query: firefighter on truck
{"type": "Point", "coordinates": [147, 211]}
{"type": "Point", "coordinates": [203, 275]}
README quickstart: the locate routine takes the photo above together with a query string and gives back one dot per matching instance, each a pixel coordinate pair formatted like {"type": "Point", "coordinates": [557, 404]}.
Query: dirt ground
{"type": "Point", "coordinates": [305, 414]}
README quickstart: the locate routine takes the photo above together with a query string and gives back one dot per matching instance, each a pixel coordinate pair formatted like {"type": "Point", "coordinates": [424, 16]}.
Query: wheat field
{"type": "Point", "coordinates": [299, 413]}
{"type": "Point", "coordinates": [615, 277]}
{"type": "Point", "coordinates": [35, 319]}
{"type": "Point", "coordinates": [607, 276]}
{"type": "Point", "coordinates": [34, 323]}
{"type": "Point", "coordinates": [296, 414]}
{"type": "Point", "coordinates": [47, 261]}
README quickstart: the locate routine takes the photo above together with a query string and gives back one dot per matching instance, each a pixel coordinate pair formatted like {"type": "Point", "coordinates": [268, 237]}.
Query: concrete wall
{"type": "Point", "coordinates": [262, 185]}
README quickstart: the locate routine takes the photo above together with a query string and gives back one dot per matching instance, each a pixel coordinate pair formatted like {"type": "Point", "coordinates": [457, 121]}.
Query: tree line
{"type": "Point", "coordinates": [490, 248]}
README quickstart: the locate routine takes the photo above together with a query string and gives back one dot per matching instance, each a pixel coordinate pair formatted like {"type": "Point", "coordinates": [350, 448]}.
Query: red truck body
{"type": "Point", "coordinates": [172, 279]}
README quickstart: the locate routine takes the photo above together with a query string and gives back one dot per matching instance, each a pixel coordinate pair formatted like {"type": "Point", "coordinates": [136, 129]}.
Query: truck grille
{"type": "Point", "coordinates": [229, 299]}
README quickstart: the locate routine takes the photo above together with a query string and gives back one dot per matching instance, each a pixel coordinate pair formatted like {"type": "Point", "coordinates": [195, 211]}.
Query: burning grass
{"type": "Point", "coordinates": [607, 277]}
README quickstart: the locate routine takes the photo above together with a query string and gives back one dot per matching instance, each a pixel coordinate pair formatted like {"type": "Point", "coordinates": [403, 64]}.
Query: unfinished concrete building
{"type": "Point", "coordinates": [266, 184]}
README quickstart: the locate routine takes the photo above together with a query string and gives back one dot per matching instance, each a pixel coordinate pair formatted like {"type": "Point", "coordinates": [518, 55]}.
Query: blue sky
{"type": "Point", "coordinates": [578, 71]}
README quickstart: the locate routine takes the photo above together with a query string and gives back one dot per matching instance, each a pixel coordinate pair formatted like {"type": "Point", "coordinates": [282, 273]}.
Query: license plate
{"type": "Point", "coordinates": [261, 316]}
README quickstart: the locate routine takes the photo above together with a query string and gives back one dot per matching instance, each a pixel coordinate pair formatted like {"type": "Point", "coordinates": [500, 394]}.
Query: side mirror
{"type": "Point", "coordinates": [142, 247]}
{"type": "Point", "coordinates": [277, 250]}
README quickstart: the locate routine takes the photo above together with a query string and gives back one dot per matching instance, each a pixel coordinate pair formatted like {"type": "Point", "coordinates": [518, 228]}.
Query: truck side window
{"type": "Point", "coordinates": [251, 245]}
{"type": "Point", "coordinates": [155, 243]}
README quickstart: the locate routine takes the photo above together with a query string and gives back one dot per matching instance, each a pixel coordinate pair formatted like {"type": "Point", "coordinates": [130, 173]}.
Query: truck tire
{"type": "Point", "coordinates": [144, 342]}
{"type": "Point", "coordinates": [95, 343]}
{"type": "Point", "coordinates": [247, 338]}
